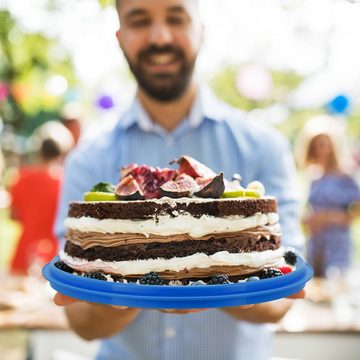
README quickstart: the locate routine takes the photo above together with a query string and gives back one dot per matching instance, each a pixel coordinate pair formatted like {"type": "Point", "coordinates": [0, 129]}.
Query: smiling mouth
{"type": "Point", "coordinates": [162, 59]}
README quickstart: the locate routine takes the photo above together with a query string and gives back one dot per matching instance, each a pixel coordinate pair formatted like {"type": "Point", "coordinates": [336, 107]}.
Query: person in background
{"type": "Point", "coordinates": [2, 167]}
{"type": "Point", "coordinates": [34, 197]}
{"type": "Point", "coordinates": [173, 115]}
{"type": "Point", "coordinates": [333, 198]}
{"type": "Point", "coordinates": [71, 117]}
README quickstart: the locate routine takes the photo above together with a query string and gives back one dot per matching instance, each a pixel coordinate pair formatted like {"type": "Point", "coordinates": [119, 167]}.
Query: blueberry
{"type": "Point", "coordinates": [252, 278]}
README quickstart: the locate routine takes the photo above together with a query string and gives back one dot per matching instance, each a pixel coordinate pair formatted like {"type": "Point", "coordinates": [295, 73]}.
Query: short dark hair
{"type": "Point", "coordinates": [50, 149]}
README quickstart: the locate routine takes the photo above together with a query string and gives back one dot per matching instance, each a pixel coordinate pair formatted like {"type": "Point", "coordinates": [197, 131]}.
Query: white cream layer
{"type": "Point", "coordinates": [167, 225]}
{"type": "Point", "coordinates": [255, 259]}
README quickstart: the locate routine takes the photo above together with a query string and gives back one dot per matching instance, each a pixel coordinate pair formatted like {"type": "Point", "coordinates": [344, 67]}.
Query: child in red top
{"type": "Point", "coordinates": [35, 197]}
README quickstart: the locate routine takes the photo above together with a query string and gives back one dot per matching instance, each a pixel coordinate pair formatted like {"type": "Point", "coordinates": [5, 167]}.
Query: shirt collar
{"type": "Point", "coordinates": [206, 105]}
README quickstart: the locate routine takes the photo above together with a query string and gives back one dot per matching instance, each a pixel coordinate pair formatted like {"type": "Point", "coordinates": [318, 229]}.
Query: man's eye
{"type": "Point", "coordinates": [139, 23]}
{"type": "Point", "coordinates": [177, 20]}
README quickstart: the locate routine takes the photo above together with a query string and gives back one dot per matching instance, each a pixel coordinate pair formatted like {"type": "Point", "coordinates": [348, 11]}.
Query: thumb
{"type": "Point", "coordinates": [63, 300]}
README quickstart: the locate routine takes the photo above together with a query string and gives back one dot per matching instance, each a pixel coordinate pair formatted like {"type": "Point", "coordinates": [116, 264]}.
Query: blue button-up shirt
{"type": "Point", "coordinates": [223, 139]}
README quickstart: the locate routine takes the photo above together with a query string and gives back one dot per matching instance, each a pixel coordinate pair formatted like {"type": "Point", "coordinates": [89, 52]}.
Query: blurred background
{"type": "Point", "coordinates": [291, 63]}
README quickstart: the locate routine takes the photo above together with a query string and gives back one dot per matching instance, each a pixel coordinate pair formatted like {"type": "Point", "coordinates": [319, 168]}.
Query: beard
{"type": "Point", "coordinates": [163, 87]}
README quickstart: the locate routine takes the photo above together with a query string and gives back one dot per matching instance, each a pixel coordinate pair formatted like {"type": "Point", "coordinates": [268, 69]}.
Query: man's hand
{"type": "Point", "coordinates": [63, 300]}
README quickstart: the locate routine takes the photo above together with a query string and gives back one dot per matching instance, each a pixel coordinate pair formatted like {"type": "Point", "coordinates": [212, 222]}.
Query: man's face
{"type": "Point", "coordinates": [160, 40]}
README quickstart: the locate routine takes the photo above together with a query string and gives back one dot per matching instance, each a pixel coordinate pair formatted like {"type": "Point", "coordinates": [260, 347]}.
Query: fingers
{"type": "Point", "coordinates": [182, 311]}
{"type": "Point", "coordinates": [245, 307]}
{"type": "Point", "coordinates": [120, 307]}
{"type": "Point", "coordinates": [298, 295]}
{"type": "Point", "coordinates": [63, 300]}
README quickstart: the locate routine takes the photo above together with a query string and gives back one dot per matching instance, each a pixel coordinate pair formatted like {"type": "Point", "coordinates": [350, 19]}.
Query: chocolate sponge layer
{"type": "Point", "coordinates": [173, 249]}
{"type": "Point", "coordinates": [138, 210]}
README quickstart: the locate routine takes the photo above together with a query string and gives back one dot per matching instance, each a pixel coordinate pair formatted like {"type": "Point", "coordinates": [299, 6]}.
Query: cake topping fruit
{"type": "Point", "coordinates": [192, 178]}
{"type": "Point", "coordinates": [103, 187]}
{"type": "Point", "coordinates": [241, 193]}
{"type": "Point", "coordinates": [64, 267]}
{"type": "Point", "coordinates": [219, 279]}
{"type": "Point", "coordinates": [236, 177]}
{"type": "Point", "coordinates": [146, 180]}
{"type": "Point", "coordinates": [270, 273]}
{"type": "Point", "coordinates": [99, 196]}
{"type": "Point", "coordinates": [151, 278]}
{"type": "Point", "coordinates": [194, 168]}
{"type": "Point", "coordinates": [290, 258]}
{"type": "Point", "coordinates": [212, 188]}
{"type": "Point", "coordinates": [183, 186]}
{"type": "Point", "coordinates": [129, 189]}
{"type": "Point", "coordinates": [101, 192]}
{"type": "Point", "coordinates": [95, 275]}
{"type": "Point", "coordinates": [286, 269]}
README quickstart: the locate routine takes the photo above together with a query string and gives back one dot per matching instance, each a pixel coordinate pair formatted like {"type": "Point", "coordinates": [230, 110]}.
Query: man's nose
{"type": "Point", "coordinates": [160, 35]}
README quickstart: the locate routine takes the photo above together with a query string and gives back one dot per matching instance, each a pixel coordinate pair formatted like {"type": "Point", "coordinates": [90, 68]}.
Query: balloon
{"type": "Point", "coordinates": [71, 95]}
{"type": "Point", "coordinates": [254, 82]}
{"type": "Point", "coordinates": [105, 102]}
{"type": "Point", "coordinates": [340, 104]}
{"type": "Point", "coordinates": [21, 91]}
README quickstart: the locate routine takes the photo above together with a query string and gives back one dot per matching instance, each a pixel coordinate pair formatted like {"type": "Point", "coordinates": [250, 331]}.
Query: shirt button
{"type": "Point", "coordinates": [170, 332]}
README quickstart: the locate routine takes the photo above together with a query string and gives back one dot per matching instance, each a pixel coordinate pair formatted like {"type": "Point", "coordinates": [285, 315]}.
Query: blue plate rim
{"type": "Point", "coordinates": [148, 295]}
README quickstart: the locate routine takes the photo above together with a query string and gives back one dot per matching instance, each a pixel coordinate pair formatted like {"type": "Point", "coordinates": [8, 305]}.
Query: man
{"type": "Point", "coordinates": [171, 116]}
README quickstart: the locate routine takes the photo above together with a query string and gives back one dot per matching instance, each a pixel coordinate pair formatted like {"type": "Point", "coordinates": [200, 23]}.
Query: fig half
{"type": "Point", "coordinates": [193, 168]}
{"type": "Point", "coordinates": [129, 189]}
{"type": "Point", "coordinates": [214, 188]}
{"type": "Point", "coordinates": [183, 186]}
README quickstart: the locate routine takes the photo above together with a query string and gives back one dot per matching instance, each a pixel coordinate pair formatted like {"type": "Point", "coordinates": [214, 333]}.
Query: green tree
{"type": "Point", "coordinates": [26, 61]}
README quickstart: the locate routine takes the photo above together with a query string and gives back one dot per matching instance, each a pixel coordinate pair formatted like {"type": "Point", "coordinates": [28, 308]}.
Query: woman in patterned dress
{"type": "Point", "coordinates": [333, 196]}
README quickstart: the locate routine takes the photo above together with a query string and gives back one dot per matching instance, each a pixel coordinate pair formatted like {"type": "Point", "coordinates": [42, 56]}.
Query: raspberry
{"type": "Point", "coordinates": [290, 258]}
{"type": "Point", "coordinates": [152, 278]}
{"type": "Point", "coordinates": [95, 275]}
{"type": "Point", "coordinates": [219, 279]}
{"type": "Point", "coordinates": [62, 266]}
{"type": "Point", "coordinates": [285, 269]}
{"type": "Point", "coordinates": [270, 273]}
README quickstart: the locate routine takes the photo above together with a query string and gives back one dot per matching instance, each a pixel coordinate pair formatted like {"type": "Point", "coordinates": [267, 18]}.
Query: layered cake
{"type": "Point", "coordinates": [175, 226]}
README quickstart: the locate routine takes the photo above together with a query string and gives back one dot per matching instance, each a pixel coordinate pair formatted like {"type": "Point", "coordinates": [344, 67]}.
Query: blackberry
{"type": "Point", "coordinates": [95, 275]}
{"type": "Point", "coordinates": [290, 258]}
{"type": "Point", "coordinates": [62, 266]}
{"type": "Point", "coordinates": [270, 273]}
{"type": "Point", "coordinates": [219, 279]}
{"type": "Point", "coordinates": [151, 278]}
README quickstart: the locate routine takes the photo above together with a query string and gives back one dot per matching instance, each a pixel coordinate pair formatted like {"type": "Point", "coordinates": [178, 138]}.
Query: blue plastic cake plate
{"type": "Point", "coordinates": [177, 297]}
